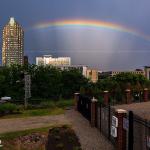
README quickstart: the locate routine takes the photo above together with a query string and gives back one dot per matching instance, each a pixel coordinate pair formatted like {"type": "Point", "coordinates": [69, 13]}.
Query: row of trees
{"type": "Point", "coordinates": [51, 83]}
{"type": "Point", "coordinates": [117, 85]}
{"type": "Point", "coordinates": [47, 82]}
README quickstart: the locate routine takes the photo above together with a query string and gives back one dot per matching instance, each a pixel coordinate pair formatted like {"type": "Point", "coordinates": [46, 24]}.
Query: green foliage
{"type": "Point", "coordinates": [117, 85]}
{"type": "Point", "coordinates": [64, 103]}
{"type": "Point", "coordinates": [47, 82]}
{"type": "Point", "coordinates": [72, 80]}
{"type": "Point", "coordinates": [51, 83]}
{"type": "Point", "coordinates": [35, 112]}
{"type": "Point", "coordinates": [47, 104]}
{"type": "Point", "coordinates": [8, 108]}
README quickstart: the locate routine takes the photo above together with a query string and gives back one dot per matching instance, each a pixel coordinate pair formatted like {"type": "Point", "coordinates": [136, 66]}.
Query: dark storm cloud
{"type": "Point", "coordinates": [101, 48]}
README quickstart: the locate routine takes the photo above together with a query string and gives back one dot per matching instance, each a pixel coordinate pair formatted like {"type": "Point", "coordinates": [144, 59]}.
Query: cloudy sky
{"type": "Point", "coordinates": [104, 48]}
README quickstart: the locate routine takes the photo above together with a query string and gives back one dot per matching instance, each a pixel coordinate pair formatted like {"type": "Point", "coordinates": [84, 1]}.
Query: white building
{"type": "Point", "coordinates": [81, 68]}
{"type": "Point", "coordinates": [49, 60]}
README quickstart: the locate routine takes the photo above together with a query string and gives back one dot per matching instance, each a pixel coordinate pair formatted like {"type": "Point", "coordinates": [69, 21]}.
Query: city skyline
{"type": "Point", "coordinates": [126, 46]}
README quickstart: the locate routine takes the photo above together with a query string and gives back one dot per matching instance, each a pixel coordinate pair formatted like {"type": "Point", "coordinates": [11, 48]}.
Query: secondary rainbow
{"type": "Point", "coordinates": [92, 24]}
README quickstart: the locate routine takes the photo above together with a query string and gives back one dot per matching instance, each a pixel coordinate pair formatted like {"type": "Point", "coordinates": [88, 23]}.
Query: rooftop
{"type": "Point", "coordinates": [12, 21]}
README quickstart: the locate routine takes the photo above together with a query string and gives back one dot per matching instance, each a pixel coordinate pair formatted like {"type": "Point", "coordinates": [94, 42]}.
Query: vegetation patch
{"type": "Point", "coordinates": [8, 108]}
{"type": "Point", "coordinates": [49, 138]}
{"type": "Point", "coordinates": [34, 112]}
{"type": "Point", "coordinates": [45, 107]}
{"type": "Point", "coordinates": [62, 138]}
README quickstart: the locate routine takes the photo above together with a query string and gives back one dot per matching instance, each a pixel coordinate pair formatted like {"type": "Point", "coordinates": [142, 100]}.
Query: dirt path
{"type": "Point", "coordinates": [18, 124]}
{"type": "Point", "coordinates": [90, 138]}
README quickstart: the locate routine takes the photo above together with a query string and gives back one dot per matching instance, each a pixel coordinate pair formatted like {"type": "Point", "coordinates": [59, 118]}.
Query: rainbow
{"type": "Point", "coordinates": [92, 24]}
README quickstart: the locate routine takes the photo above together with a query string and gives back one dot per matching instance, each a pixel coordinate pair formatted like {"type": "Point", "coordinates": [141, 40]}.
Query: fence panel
{"type": "Point", "coordinates": [99, 117]}
{"type": "Point", "coordinates": [139, 134]}
{"type": "Point", "coordinates": [112, 113]}
{"type": "Point", "coordinates": [84, 106]}
{"type": "Point", "coordinates": [105, 121]}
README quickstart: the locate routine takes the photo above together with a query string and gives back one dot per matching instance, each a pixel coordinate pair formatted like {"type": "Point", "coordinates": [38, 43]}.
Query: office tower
{"type": "Point", "coordinates": [12, 44]}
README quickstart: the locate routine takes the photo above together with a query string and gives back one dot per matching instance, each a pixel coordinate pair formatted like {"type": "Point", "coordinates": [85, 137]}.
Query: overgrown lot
{"type": "Point", "coordinates": [45, 107]}
{"type": "Point", "coordinates": [50, 138]}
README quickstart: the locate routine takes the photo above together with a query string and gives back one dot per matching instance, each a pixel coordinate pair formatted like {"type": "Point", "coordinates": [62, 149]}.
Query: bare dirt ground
{"type": "Point", "coordinates": [90, 138]}
{"type": "Point", "coordinates": [19, 124]}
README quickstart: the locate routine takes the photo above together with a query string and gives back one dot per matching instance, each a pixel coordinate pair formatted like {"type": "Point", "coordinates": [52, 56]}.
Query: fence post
{"type": "Point", "coordinates": [145, 94]}
{"type": "Point", "coordinates": [76, 100]}
{"type": "Point", "coordinates": [93, 112]}
{"type": "Point", "coordinates": [106, 98]}
{"type": "Point", "coordinates": [121, 133]}
{"type": "Point", "coordinates": [128, 96]}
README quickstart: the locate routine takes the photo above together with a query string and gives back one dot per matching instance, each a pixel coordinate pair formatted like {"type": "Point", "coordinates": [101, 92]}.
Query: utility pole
{"type": "Point", "coordinates": [27, 79]}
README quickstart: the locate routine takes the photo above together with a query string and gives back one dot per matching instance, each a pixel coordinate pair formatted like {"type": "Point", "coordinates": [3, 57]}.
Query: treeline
{"type": "Point", "coordinates": [47, 82]}
{"type": "Point", "coordinates": [117, 85]}
{"type": "Point", "coordinates": [52, 83]}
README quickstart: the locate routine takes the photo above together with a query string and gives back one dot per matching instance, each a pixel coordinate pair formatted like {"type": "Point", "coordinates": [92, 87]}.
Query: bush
{"type": "Point", "coordinates": [64, 103]}
{"type": "Point", "coordinates": [47, 104]}
{"type": "Point", "coordinates": [8, 108]}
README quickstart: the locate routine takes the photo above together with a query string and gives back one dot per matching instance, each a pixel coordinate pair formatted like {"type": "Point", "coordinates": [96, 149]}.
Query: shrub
{"type": "Point", "coordinates": [55, 131]}
{"type": "Point", "coordinates": [64, 103]}
{"type": "Point", "coordinates": [47, 104]}
{"type": "Point", "coordinates": [8, 108]}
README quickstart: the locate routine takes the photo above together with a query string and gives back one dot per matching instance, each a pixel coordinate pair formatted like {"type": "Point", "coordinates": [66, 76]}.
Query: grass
{"type": "Point", "coordinates": [60, 103]}
{"type": "Point", "coordinates": [13, 135]}
{"type": "Point", "coordinates": [36, 112]}
{"type": "Point", "coordinates": [64, 103]}
{"type": "Point", "coordinates": [46, 107]}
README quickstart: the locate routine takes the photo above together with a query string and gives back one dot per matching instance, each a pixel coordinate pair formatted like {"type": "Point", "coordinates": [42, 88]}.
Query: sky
{"type": "Point", "coordinates": [98, 47]}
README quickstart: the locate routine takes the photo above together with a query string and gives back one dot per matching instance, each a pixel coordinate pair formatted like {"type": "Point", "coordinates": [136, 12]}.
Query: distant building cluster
{"type": "Point", "coordinates": [13, 53]}
{"type": "Point", "coordinates": [91, 74]}
{"type": "Point", "coordinates": [145, 72]}
{"type": "Point", "coordinates": [64, 63]}
{"type": "Point", "coordinates": [113, 73]}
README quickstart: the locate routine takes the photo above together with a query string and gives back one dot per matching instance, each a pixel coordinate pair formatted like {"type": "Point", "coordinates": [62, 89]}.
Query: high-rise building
{"type": "Point", "coordinates": [49, 60]}
{"type": "Point", "coordinates": [13, 43]}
